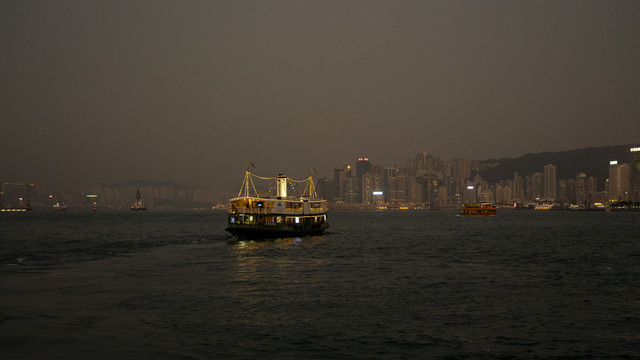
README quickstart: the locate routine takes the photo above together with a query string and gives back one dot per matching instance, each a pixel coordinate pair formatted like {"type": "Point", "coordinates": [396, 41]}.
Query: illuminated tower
{"type": "Point", "coordinates": [619, 176]}
{"type": "Point", "coordinates": [634, 193]}
{"type": "Point", "coordinates": [363, 166]}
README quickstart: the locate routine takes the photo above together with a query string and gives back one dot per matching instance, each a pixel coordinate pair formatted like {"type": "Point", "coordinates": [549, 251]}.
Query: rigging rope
{"type": "Point", "coordinates": [274, 177]}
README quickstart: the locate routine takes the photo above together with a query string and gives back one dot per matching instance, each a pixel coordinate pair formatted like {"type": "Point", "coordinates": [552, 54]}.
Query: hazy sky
{"type": "Point", "coordinates": [107, 91]}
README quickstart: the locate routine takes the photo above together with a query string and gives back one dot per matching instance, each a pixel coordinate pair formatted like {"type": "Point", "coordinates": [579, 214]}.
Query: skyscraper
{"type": "Point", "coordinates": [537, 186]}
{"type": "Point", "coordinates": [550, 187]}
{"type": "Point", "coordinates": [619, 184]}
{"type": "Point", "coordinates": [634, 193]}
{"type": "Point", "coordinates": [363, 166]}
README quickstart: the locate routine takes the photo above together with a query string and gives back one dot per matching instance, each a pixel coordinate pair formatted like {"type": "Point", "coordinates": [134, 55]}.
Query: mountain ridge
{"type": "Point", "coordinates": [593, 161]}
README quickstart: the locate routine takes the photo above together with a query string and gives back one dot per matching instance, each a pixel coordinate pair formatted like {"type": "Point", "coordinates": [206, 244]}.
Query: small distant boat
{"type": "Point", "coordinates": [481, 209]}
{"type": "Point", "coordinates": [138, 205]}
{"type": "Point", "coordinates": [16, 209]}
{"type": "Point", "coordinates": [282, 215]}
{"type": "Point", "coordinates": [59, 207]}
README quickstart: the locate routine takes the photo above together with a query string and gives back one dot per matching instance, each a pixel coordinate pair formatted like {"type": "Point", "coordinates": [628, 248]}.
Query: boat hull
{"type": "Point", "coordinates": [269, 231]}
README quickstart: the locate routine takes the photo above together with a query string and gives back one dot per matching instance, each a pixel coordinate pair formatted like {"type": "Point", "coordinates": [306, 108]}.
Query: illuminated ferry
{"type": "Point", "coordinates": [59, 207]}
{"type": "Point", "coordinates": [138, 205]}
{"type": "Point", "coordinates": [481, 209]}
{"type": "Point", "coordinates": [280, 215]}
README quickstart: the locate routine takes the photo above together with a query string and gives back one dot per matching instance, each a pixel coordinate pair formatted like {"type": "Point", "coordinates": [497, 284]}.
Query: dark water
{"type": "Point", "coordinates": [377, 285]}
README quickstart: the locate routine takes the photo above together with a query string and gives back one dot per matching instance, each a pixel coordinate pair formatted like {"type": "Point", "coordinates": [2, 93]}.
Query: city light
{"type": "Point", "coordinates": [613, 162]}
{"type": "Point", "coordinates": [634, 149]}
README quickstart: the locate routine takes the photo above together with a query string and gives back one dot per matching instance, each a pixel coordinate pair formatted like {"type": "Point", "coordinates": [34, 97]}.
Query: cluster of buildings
{"type": "Point", "coordinates": [422, 182]}
{"type": "Point", "coordinates": [427, 181]}
{"type": "Point", "coordinates": [157, 195]}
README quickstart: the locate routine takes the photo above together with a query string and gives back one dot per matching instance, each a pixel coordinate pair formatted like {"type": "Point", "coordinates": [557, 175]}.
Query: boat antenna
{"type": "Point", "coordinates": [250, 164]}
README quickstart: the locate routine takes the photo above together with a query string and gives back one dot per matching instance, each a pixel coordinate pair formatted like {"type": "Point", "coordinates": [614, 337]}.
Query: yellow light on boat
{"type": "Point", "coordinates": [281, 181]}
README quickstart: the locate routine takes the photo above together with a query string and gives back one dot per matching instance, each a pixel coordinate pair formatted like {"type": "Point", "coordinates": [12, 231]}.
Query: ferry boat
{"type": "Point", "coordinates": [138, 205]}
{"type": "Point", "coordinates": [280, 215]}
{"type": "Point", "coordinates": [481, 209]}
{"type": "Point", "coordinates": [59, 207]}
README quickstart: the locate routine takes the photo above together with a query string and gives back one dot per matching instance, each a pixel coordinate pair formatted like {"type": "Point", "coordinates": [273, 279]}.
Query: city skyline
{"type": "Point", "coordinates": [104, 92]}
{"type": "Point", "coordinates": [422, 180]}
{"type": "Point", "coordinates": [250, 164]}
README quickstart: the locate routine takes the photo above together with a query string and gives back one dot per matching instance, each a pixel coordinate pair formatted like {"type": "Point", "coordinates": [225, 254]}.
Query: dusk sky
{"type": "Point", "coordinates": [107, 91]}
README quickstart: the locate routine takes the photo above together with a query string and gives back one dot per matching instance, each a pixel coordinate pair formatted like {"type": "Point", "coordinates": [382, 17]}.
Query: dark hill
{"type": "Point", "coordinates": [592, 161]}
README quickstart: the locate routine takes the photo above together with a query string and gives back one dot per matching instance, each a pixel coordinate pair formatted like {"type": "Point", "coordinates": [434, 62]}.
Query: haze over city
{"type": "Point", "coordinates": [108, 91]}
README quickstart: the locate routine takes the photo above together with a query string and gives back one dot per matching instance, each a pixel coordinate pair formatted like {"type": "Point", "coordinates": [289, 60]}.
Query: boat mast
{"type": "Point", "coordinates": [246, 184]}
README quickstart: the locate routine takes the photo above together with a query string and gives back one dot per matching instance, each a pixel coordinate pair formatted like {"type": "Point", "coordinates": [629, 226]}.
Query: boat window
{"type": "Point", "coordinates": [293, 206]}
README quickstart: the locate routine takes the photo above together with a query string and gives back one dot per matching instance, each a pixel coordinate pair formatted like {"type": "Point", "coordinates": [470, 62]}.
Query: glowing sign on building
{"type": "Point", "coordinates": [378, 193]}
{"type": "Point", "coordinates": [613, 162]}
{"type": "Point", "coordinates": [634, 149]}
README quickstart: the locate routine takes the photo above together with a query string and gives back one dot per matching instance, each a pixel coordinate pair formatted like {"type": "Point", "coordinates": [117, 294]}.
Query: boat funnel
{"type": "Point", "coordinates": [281, 184]}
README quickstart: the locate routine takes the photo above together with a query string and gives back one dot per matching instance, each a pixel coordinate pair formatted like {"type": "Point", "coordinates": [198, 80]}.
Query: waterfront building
{"type": "Point", "coordinates": [458, 169]}
{"type": "Point", "coordinates": [339, 175]}
{"type": "Point", "coordinates": [518, 188]}
{"type": "Point", "coordinates": [17, 194]}
{"type": "Point", "coordinates": [351, 186]}
{"type": "Point", "coordinates": [421, 162]}
{"type": "Point", "coordinates": [366, 188]}
{"type": "Point", "coordinates": [469, 195]}
{"type": "Point", "coordinates": [634, 186]}
{"type": "Point", "coordinates": [363, 166]}
{"type": "Point", "coordinates": [550, 186]}
{"type": "Point", "coordinates": [537, 187]}
{"type": "Point", "coordinates": [619, 184]}
{"type": "Point", "coordinates": [324, 189]}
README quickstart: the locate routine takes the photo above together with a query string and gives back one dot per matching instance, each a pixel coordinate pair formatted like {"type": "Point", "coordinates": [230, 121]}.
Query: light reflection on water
{"type": "Point", "coordinates": [387, 284]}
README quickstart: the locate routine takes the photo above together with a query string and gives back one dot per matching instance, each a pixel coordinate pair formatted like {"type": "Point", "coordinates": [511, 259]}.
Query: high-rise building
{"type": "Point", "coordinates": [421, 162]}
{"type": "Point", "coordinates": [518, 188]}
{"type": "Point", "coordinates": [351, 186]}
{"type": "Point", "coordinates": [619, 181]}
{"type": "Point", "coordinates": [338, 184]}
{"type": "Point", "coordinates": [537, 187]}
{"type": "Point", "coordinates": [363, 166]}
{"type": "Point", "coordinates": [550, 186]}
{"type": "Point", "coordinates": [366, 188]}
{"type": "Point", "coordinates": [634, 192]}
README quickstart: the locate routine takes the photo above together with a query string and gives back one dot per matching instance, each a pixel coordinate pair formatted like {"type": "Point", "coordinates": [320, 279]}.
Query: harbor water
{"type": "Point", "coordinates": [377, 285]}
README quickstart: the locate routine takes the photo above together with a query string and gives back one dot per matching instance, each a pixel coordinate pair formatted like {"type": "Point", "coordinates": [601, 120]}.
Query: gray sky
{"type": "Point", "coordinates": [106, 91]}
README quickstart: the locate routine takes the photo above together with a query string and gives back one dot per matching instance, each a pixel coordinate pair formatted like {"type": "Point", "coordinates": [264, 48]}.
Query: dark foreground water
{"type": "Point", "coordinates": [377, 285]}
